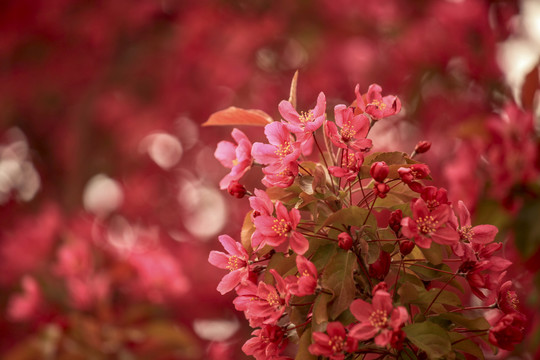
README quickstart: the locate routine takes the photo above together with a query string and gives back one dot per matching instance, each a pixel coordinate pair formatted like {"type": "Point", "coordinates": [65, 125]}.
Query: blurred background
{"type": "Point", "coordinates": [109, 198]}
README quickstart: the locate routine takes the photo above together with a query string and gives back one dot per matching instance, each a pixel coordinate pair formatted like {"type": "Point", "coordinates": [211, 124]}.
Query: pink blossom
{"type": "Point", "coordinates": [268, 343]}
{"type": "Point", "coordinates": [434, 197]}
{"type": "Point", "coordinates": [261, 204]}
{"type": "Point", "coordinates": [353, 129]}
{"type": "Point", "coordinates": [280, 153]}
{"type": "Point", "coordinates": [350, 166]}
{"type": "Point", "coordinates": [236, 261]}
{"type": "Point", "coordinates": [334, 344]}
{"type": "Point", "coordinates": [307, 278]}
{"type": "Point", "coordinates": [277, 231]}
{"type": "Point", "coordinates": [508, 331]}
{"type": "Point", "coordinates": [426, 226]}
{"type": "Point", "coordinates": [235, 157]}
{"type": "Point", "coordinates": [480, 234]}
{"type": "Point", "coordinates": [375, 104]}
{"type": "Point", "coordinates": [22, 307]}
{"type": "Point", "coordinates": [282, 179]}
{"type": "Point", "coordinates": [378, 319]}
{"type": "Point", "coordinates": [268, 305]}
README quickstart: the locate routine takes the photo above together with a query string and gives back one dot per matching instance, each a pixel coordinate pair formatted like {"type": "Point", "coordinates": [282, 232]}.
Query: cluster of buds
{"type": "Point", "coordinates": [355, 254]}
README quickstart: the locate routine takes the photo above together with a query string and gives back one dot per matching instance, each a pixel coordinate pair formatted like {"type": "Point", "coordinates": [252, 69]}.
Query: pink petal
{"type": "Point", "coordinates": [420, 209]}
{"type": "Point", "coordinates": [340, 115]}
{"type": "Point", "coordinates": [363, 331]}
{"type": "Point", "coordinates": [445, 236]}
{"type": "Point", "coordinates": [399, 317]}
{"type": "Point", "coordinates": [463, 214]}
{"type": "Point", "coordinates": [288, 112]}
{"type": "Point", "coordinates": [225, 153]}
{"type": "Point", "coordinates": [218, 259]}
{"type": "Point", "coordinates": [484, 234]}
{"type": "Point", "coordinates": [320, 108]}
{"type": "Point", "coordinates": [239, 136]}
{"type": "Point", "coordinates": [383, 338]}
{"type": "Point", "coordinates": [335, 328]}
{"type": "Point", "coordinates": [231, 280]}
{"type": "Point", "coordinates": [361, 310]}
{"type": "Point", "coordinates": [299, 243]}
{"type": "Point", "coordinates": [276, 133]}
{"type": "Point", "coordinates": [382, 301]}
{"type": "Point", "coordinates": [264, 153]}
{"type": "Point", "coordinates": [230, 245]}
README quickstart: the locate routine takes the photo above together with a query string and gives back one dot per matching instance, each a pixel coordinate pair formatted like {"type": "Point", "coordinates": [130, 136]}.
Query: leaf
{"type": "Point", "coordinates": [429, 337]}
{"type": "Point", "coordinates": [445, 297]}
{"type": "Point", "coordinates": [281, 264]}
{"type": "Point", "coordinates": [431, 274]}
{"type": "Point", "coordinates": [248, 228]}
{"type": "Point", "coordinates": [237, 116]}
{"type": "Point", "coordinates": [322, 255]}
{"type": "Point", "coordinates": [338, 277]}
{"type": "Point", "coordinates": [306, 184]}
{"type": "Point", "coordinates": [471, 324]}
{"type": "Point", "coordinates": [320, 308]}
{"type": "Point", "coordinates": [467, 345]}
{"type": "Point", "coordinates": [292, 92]}
{"type": "Point", "coordinates": [434, 253]}
{"type": "Point", "coordinates": [353, 215]}
{"type": "Point", "coordinates": [303, 345]}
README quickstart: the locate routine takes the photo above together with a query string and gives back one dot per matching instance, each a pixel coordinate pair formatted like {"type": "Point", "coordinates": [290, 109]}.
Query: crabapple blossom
{"type": "Point", "coordinates": [235, 157]}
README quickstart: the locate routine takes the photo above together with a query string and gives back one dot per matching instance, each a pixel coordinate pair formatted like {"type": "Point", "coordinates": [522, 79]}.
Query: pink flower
{"type": "Point", "coordinates": [434, 197]}
{"type": "Point", "coordinates": [281, 151]}
{"type": "Point", "coordinates": [426, 226]}
{"type": "Point", "coordinates": [282, 179]}
{"type": "Point", "coordinates": [261, 204]}
{"type": "Point", "coordinates": [269, 343]}
{"type": "Point", "coordinates": [280, 230]}
{"type": "Point", "coordinates": [353, 129]}
{"type": "Point", "coordinates": [236, 261]}
{"type": "Point", "coordinates": [508, 331]}
{"type": "Point", "coordinates": [269, 304]}
{"type": "Point", "coordinates": [306, 122]}
{"type": "Point", "coordinates": [22, 307]}
{"type": "Point", "coordinates": [375, 104]}
{"type": "Point", "coordinates": [480, 234]}
{"type": "Point", "coordinates": [507, 299]}
{"type": "Point", "coordinates": [350, 166]}
{"type": "Point", "coordinates": [235, 157]}
{"type": "Point", "coordinates": [378, 319]}
{"type": "Point", "coordinates": [307, 278]}
{"type": "Point", "coordinates": [334, 344]}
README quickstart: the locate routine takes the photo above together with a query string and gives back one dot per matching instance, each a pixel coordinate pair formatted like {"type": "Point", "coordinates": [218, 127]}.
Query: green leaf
{"type": "Point", "coordinates": [479, 323]}
{"type": "Point", "coordinates": [303, 345]}
{"type": "Point", "coordinates": [322, 255]}
{"type": "Point", "coordinates": [320, 308]}
{"type": "Point", "coordinates": [432, 273]}
{"type": "Point", "coordinates": [434, 254]}
{"type": "Point", "coordinates": [353, 215]}
{"type": "Point", "coordinates": [429, 337]}
{"type": "Point", "coordinates": [467, 345]}
{"type": "Point", "coordinates": [338, 277]}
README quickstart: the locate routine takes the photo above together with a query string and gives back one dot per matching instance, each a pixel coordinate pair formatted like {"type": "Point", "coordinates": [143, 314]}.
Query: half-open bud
{"type": "Point", "coordinates": [236, 189]}
{"type": "Point", "coordinates": [422, 147]}
{"type": "Point", "coordinates": [345, 241]}
{"type": "Point", "coordinates": [379, 171]}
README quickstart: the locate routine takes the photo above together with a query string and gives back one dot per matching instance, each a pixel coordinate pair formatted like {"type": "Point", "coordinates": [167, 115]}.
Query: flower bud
{"type": "Point", "coordinates": [406, 175]}
{"type": "Point", "coordinates": [422, 147]}
{"type": "Point", "coordinates": [345, 241]}
{"type": "Point", "coordinates": [236, 189]}
{"type": "Point", "coordinates": [380, 286]}
{"type": "Point", "coordinates": [380, 189]}
{"type": "Point", "coordinates": [379, 171]}
{"type": "Point", "coordinates": [380, 268]}
{"type": "Point", "coordinates": [394, 222]}
{"type": "Point", "coordinates": [406, 247]}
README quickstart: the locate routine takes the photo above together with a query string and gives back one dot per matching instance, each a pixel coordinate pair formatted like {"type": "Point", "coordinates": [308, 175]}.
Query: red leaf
{"type": "Point", "coordinates": [236, 116]}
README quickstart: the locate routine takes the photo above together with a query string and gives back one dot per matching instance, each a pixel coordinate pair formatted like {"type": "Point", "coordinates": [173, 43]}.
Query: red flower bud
{"type": "Point", "coordinates": [379, 171]}
{"type": "Point", "coordinates": [395, 221]}
{"type": "Point", "coordinates": [405, 247]}
{"type": "Point", "coordinates": [345, 241]}
{"type": "Point", "coordinates": [406, 175]}
{"type": "Point", "coordinates": [422, 147]}
{"type": "Point", "coordinates": [236, 189]}
{"type": "Point", "coordinates": [380, 189]}
{"type": "Point", "coordinates": [380, 268]}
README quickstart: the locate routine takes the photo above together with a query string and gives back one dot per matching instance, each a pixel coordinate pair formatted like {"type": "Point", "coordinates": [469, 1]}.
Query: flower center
{"type": "Point", "coordinates": [234, 263]}
{"type": "Point", "coordinates": [337, 344]}
{"type": "Point", "coordinates": [283, 149]}
{"type": "Point", "coordinates": [347, 132]}
{"type": "Point", "coordinates": [306, 116]}
{"type": "Point", "coordinates": [235, 162]}
{"type": "Point", "coordinates": [512, 299]}
{"type": "Point", "coordinates": [432, 204]}
{"type": "Point", "coordinates": [379, 104]}
{"type": "Point", "coordinates": [281, 227]}
{"type": "Point", "coordinates": [303, 274]}
{"type": "Point", "coordinates": [427, 224]}
{"type": "Point", "coordinates": [273, 299]}
{"type": "Point", "coordinates": [378, 319]}
{"type": "Point", "coordinates": [466, 233]}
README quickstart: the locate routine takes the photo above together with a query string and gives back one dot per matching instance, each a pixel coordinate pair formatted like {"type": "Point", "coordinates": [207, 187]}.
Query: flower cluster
{"type": "Point", "coordinates": [355, 254]}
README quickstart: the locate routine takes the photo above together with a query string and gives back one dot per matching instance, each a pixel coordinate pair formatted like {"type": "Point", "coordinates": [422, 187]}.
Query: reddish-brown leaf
{"type": "Point", "coordinates": [236, 116]}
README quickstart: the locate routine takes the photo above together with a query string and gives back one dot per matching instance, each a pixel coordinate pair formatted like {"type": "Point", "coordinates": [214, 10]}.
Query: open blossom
{"type": "Point", "coordinates": [350, 166]}
{"type": "Point", "coordinates": [375, 104]}
{"type": "Point", "coordinates": [378, 319]}
{"type": "Point", "coordinates": [353, 129]}
{"type": "Point", "coordinates": [282, 179]}
{"type": "Point", "coordinates": [480, 234]}
{"type": "Point", "coordinates": [334, 344]}
{"type": "Point", "coordinates": [277, 231]}
{"type": "Point", "coordinates": [268, 305]}
{"type": "Point", "coordinates": [305, 123]}
{"type": "Point", "coordinates": [235, 157]}
{"type": "Point", "coordinates": [268, 343]}
{"type": "Point", "coordinates": [236, 261]}
{"type": "Point", "coordinates": [434, 197]}
{"type": "Point", "coordinates": [426, 226]}
{"type": "Point", "coordinates": [307, 278]}
{"type": "Point", "coordinates": [507, 299]}
{"type": "Point", "coordinates": [280, 153]}
{"type": "Point", "coordinates": [261, 204]}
